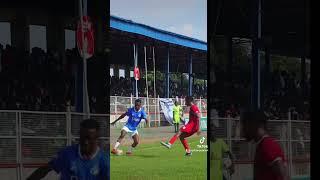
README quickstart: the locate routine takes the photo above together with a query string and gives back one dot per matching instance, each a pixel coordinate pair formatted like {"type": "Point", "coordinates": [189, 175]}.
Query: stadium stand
{"type": "Point", "coordinates": [43, 81]}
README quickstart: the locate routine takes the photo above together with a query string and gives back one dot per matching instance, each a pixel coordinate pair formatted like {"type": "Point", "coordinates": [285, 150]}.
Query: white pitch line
{"type": "Point", "coordinates": [152, 148]}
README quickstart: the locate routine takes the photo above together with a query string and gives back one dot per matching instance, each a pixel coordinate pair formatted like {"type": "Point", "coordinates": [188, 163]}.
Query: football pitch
{"type": "Point", "coordinates": [150, 160]}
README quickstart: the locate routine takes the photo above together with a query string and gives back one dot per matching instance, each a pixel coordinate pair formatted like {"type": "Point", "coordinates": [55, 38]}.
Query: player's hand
{"type": "Point", "coordinates": [113, 123]}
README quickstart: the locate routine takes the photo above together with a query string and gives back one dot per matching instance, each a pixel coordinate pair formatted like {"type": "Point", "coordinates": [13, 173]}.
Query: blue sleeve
{"type": "Point", "coordinates": [106, 167]}
{"type": "Point", "coordinates": [57, 163]}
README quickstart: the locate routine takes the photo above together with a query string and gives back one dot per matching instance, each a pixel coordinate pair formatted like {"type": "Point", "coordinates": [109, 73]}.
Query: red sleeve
{"type": "Point", "coordinates": [271, 151]}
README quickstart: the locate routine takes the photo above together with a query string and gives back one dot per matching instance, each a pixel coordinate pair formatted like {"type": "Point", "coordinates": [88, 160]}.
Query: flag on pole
{"type": "Point", "coordinates": [136, 73]}
{"type": "Point", "coordinates": [85, 43]}
{"type": "Point", "coordinates": [85, 37]}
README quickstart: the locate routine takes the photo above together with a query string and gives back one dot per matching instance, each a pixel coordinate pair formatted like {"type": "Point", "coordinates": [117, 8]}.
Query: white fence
{"type": "Point", "coordinates": [119, 105]}
{"type": "Point", "coordinates": [29, 139]}
{"type": "Point", "coordinates": [293, 136]}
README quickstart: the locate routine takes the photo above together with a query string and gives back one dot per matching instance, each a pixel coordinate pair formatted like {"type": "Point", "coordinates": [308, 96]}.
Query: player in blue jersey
{"type": "Point", "coordinates": [135, 114]}
{"type": "Point", "coordinates": [81, 161]}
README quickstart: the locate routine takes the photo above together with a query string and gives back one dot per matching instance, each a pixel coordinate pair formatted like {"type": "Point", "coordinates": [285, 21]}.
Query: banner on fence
{"type": "Point", "coordinates": [166, 106]}
{"type": "Point", "coordinates": [203, 124]}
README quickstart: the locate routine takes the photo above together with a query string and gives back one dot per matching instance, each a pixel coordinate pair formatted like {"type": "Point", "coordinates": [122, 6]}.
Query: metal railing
{"type": "Point", "coordinates": [29, 139]}
{"type": "Point", "coordinates": [119, 105]}
{"type": "Point", "coordinates": [293, 136]}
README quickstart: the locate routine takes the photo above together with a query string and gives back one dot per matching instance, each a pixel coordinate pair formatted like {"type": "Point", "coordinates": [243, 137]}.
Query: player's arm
{"type": "Point", "coordinates": [199, 130]}
{"type": "Point", "coordinates": [105, 173]}
{"type": "Point", "coordinates": [226, 149]}
{"type": "Point", "coordinates": [119, 118]}
{"type": "Point", "coordinates": [279, 168]}
{"type": "Point", "coordinates": [147, 120]}
{"type": "Point", "coordinates": [145, 117]}
{"type": "Point", "coordinates": [273, 157]}
{"type": "Point", "coordinates": [231, 155]}
{"type": "Point", "coordinates": [195, 112]}
{"type": "Point", "coordinates": [57, 164]}
{"type": "Point", "coordinates": [181, 112]}
{"type": "Point", "coordinates": [199, 125]}
{"type": "Point", "coordinates": [40, 173]}
{"type": "Point", "coordinates": [232, 168]}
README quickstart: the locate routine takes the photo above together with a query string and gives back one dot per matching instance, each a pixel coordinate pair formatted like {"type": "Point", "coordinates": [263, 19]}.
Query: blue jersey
{"type": "Point", "coordinates": [71, 166]}
{"type": "Point", "coordinates": [135, 118]}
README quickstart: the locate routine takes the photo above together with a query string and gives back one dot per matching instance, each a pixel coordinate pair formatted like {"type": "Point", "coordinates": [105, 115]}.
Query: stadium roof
{"type": "Point", "coordinates": [158, 34]}
{"type": "Point", "coordinates": [124, 33]}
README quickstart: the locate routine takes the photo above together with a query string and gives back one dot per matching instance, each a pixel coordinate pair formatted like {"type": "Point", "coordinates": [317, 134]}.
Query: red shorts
{"type": "Point", "coordinates": [188, 130]}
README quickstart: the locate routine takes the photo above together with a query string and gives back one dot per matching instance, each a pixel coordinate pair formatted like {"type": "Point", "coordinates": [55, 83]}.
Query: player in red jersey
{"type": "Point", "coordinates": [192, 127]}
{"type": "Point", "coordinates": [269, 161]}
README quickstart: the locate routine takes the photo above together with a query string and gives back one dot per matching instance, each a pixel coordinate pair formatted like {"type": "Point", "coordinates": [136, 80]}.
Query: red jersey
{"type": "Point", "coordinates": [268, 151]}
{"type": "Point", "coordinates": [194, 120]}
{"type": "Point", "coordinates": [193, 124]}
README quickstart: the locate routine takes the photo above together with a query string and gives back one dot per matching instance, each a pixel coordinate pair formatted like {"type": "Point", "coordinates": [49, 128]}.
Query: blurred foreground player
{"type": "Point", "coordinates": [136, 114]}
{"type": "Point", "coordinates": [192, 127]}
{"type": "Point", "coordinates": [269, 161]}
{"type": "Point", "coordinates": [81, 161]}
{"type": "Point", "coordinates": [218, 148]}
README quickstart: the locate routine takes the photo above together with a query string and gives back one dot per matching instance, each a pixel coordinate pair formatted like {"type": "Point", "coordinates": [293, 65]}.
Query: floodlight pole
{"type": "Point", "coordinates": [190, 76]}
{"type": "Point", "coordinates": [168, 74]}
{"type": "Point", "coordinates": [256, 45]}
{"type": "Point", "coordinates": [86, 105]}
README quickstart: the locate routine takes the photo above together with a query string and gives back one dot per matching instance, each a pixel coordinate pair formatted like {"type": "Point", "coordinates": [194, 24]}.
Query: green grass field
{"type": "Point", "coordinates": [155, 162]}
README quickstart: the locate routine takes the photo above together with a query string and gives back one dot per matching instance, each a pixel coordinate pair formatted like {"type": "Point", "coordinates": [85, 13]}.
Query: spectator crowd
{"type": "Point", "coordinates": [126, 87]}
{"type": "Point", "coordinates": [281, 91]}
{"type": "Point", "coordinates": [46, 81]}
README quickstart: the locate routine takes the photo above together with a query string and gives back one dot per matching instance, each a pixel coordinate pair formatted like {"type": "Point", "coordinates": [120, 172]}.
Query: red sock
{"type": "Point", "coordinates": [185, 145]}
{"type": "Point", "coordinates": [173, 139]}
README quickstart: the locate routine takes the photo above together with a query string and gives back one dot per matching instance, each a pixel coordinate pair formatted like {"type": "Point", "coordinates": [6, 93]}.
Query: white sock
{"type": "Point", "coordinates": [116, 145]}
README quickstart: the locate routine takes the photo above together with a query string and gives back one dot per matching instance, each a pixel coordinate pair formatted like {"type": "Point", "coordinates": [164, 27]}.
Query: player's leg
{"type": "Point", "coordinates": [122, 135]}
{"type": "Point", "coordinates": [120, 139]}
{"type": "Point", "coordinates": [184, 142]}
{"type": "Point", "coordinates": [136, 140]}
{"type": "Point", "coordinates": [172, 140]}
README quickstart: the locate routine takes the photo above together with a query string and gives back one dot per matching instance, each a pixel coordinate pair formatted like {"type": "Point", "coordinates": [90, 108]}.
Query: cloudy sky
{"type": "Point", "coordinates": [186, 17]}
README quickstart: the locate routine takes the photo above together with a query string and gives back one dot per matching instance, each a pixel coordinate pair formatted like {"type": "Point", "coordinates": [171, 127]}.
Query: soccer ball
{"type": "Point", "coordinates": [119, 152]}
